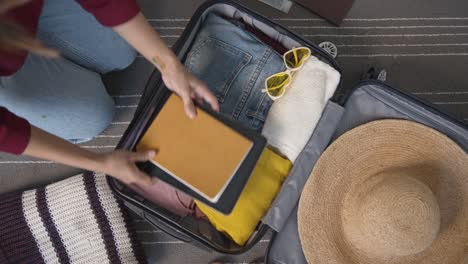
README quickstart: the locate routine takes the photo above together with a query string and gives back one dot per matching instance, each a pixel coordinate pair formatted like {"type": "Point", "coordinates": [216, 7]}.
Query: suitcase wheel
{"type": "Point", "coordinates": [330, 48]}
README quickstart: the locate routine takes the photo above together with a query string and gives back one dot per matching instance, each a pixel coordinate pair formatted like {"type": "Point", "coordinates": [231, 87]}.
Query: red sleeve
{"type": "Point", "coordinates": [111, 12]}
{"type": "Point", "coordinates": [14, 132]}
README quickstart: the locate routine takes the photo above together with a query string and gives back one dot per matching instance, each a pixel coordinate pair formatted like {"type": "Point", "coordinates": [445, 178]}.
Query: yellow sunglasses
{"type": "Point", "coordinates": [276, 84]}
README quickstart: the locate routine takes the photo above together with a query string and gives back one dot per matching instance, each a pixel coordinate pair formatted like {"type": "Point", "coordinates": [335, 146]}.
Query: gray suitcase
{"type": "Point", "coordinates": [348, 108]}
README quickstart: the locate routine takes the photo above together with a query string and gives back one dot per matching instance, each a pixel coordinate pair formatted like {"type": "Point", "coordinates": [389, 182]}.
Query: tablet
{"type": "Point", "coordinates": [209, 157]}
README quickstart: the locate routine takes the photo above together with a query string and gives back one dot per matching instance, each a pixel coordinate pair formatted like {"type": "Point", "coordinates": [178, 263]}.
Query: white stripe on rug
{"type": "Point", "coordinates": [75, 221]}
{"type": "Point", "coordinates": [38, 230]}
{"type": "Point", "coordinates": [115, 218]}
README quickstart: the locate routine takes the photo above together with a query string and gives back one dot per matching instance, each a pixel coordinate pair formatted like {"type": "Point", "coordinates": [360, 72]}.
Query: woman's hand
{"type": "Point", "coordinates": [189, 88]}
{"type": "Point", "coordinates": [121, 165]}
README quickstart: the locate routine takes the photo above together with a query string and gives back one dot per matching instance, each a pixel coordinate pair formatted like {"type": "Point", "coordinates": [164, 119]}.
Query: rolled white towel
{"type": "Point", "coordinates": [292, 118]}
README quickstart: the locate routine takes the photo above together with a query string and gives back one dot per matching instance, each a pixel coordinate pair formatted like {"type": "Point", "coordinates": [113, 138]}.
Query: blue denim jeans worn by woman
{"type": "Point", "coordinates": [66, 97]}
{"type": "Point", "coordinates": [234, 64]}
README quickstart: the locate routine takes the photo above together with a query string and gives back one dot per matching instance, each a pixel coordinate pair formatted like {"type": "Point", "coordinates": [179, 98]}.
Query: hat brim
{"type": "Point", "coordinates": [363, 152]}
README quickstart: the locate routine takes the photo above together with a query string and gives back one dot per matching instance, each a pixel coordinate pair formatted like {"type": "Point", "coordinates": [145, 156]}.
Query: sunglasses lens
{"type": "Point", "coordinates": [277, 83]}
{"type": "Point", "coordinates": [296, 57]}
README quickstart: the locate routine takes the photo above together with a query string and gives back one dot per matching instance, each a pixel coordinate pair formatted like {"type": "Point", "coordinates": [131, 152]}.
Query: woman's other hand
{"type": "Point", "coordinates": [189, 88]}
{"type": "Point", "coordinates": [118, 163]}
{"type": "Point", "coordinates": [141, 35]}
{"type": "Point", "coordinates": [121, 165]}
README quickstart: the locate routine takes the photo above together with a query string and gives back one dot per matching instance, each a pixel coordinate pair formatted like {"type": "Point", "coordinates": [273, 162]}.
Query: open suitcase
{"type": "Point", "coordinates": [349, 107]}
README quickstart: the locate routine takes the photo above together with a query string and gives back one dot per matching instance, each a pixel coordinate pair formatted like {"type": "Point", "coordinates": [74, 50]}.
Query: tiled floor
{"type": "Point", "coordinates": [422, 44]}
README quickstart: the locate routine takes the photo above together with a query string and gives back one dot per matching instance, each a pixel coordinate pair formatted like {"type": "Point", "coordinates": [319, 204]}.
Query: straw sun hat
{"type": "Point", "coordinates": [389, 191]}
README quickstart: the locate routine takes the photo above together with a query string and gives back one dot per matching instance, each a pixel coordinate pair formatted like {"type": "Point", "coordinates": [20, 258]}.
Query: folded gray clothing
{"type": "Point", "coordinates": [77, 220]}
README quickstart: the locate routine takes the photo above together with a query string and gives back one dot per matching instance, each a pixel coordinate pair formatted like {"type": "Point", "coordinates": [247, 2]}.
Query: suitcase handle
{"type": "Point", "coordinates": [167, 228]}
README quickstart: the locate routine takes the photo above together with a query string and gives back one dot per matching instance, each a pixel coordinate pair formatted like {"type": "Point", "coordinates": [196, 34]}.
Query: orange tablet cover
{"type": "Point", "coordinates": [203, 153]}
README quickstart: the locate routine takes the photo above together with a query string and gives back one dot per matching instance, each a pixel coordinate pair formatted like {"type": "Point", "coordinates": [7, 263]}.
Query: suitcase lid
{"type": "Point", "coordinates": [368, 101]}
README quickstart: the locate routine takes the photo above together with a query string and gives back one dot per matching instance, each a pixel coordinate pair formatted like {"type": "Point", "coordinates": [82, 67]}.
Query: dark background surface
{"type": "Point", "coordinates": [423, 44]}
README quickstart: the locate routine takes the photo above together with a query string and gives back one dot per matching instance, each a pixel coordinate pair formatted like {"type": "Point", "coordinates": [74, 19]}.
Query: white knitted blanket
{"type": "Point", "coordinates": [76, 220]}
{"type": "Point", "coordinates": [292, 118]}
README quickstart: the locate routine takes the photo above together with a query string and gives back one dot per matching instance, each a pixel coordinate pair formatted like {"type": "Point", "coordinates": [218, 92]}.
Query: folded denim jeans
{"type": "Point", "coordinates": [234, 64]}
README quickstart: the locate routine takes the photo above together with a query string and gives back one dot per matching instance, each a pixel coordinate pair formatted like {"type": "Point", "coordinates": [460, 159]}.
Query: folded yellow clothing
{"type": "Point", "coordinates": [255, 199]}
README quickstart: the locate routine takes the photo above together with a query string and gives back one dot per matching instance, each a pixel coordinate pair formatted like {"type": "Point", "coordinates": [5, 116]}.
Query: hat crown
{"type": "Point", "coordinates": [382, 192]}
{"type": "Point", "coordinates": [392, 214]}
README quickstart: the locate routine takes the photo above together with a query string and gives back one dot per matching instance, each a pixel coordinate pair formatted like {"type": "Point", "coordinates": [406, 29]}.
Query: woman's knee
{"type": "Point", "coordinates": [113, 54]}
{"type": "Point", "coordinates": [76, 120]}
{"type": "Point", "coordinates": [88, 119]}
{"type": "Point", "coordinates": [91, 45]}
{"type": "Point", "coordinates": [59, 97]}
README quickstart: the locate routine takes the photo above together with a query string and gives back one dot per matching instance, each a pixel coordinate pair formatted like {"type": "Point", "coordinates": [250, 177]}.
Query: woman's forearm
{"type": "Point", "coordinates": [141, 35]}
{"type": "Point", "coordinates": [46, 146]}
{"type": "Point", "coordinates": [118, 163]}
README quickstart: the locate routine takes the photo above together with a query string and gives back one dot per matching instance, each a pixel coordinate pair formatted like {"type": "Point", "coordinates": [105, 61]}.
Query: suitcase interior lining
{"type": "Point", "coordinates": [373, 101]}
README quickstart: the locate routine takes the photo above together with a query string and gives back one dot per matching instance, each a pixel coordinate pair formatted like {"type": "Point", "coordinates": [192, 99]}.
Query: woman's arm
{"type": "Point", "coordinates": [119, 164]}
{"type": "Point", "coordinates": [139, 33]}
